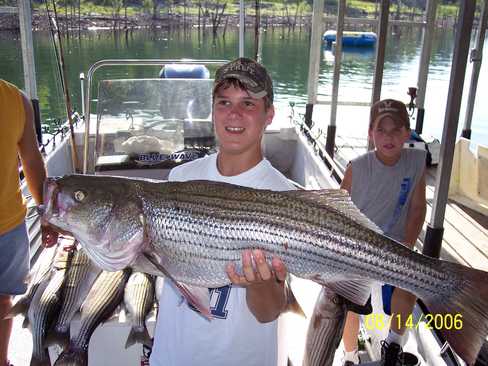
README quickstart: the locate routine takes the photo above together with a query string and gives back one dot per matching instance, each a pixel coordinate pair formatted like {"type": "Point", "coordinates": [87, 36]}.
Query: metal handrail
{"type": "Point", "coordinates": [126, 62]}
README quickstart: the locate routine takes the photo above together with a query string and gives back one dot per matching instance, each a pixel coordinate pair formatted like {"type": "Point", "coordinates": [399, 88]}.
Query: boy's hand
{"type": "Point", "coordinates": [256, 273]}
{"type": "Point", "coordinates": [265, 284]}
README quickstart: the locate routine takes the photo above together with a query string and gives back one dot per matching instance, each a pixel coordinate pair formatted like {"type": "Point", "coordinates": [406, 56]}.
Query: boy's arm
{"type": "Point", "coordinates": [265, 286]}
{"type": "Point", "coordinates": [416, 213]}
{"type": "Point", "coordinates": [347, 180]}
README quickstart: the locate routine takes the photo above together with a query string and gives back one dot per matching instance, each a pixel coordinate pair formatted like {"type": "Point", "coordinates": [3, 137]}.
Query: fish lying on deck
{"type": "Point", "coordinates": [138, 300]}
{"type": "Point", "coordinates": [189, 231]}
{"type": "Point", "coordinates": [79, 279]}
{"type": "Point", "coordinates": [104, 297]}
{"type": "Point", "coordinates": [44, 306]}
{"type": "Point", "coordinates": [39, 274]}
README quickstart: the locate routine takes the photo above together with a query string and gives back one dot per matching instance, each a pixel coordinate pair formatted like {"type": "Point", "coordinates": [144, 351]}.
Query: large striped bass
{"type": "Point", "coordinates": [189, 231]}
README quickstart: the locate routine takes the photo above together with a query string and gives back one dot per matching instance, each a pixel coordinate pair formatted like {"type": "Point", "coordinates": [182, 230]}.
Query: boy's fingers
{"type": "Point", "coordinates": [232, 274]}
{"type": "Point", "coordinates": [247, 267]}
{"type": "Point", "coordinates": [279, 269]}
{"type": "Point", "coordinates": [262, 266]}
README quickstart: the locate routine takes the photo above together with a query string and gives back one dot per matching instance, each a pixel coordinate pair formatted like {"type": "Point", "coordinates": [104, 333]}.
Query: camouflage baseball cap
{"type": "Point", "coordinates": [395, 109]}
{"type": "Point", "coordinates": [250, 73]}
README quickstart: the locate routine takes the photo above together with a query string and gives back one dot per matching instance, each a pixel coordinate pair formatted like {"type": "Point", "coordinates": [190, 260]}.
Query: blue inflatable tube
{"type": "Point", "coordinates": [351, 39]}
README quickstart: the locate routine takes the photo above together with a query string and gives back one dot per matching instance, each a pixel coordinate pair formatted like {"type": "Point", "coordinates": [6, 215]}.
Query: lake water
{"type": "Point", "coordinates": [284, 53]}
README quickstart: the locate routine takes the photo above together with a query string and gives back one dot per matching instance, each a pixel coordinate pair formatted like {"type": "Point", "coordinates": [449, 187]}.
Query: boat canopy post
{"type": "Point", "coordinates": [475, 57]}
{"type": "Point", "coordinates": [242, 26]}
{"type": "Point", "coordinates": [331, 129]}
{"type": "Point", "coordinates": [380, 51]}
{"type": "Point", "coordinates": [314, 62]}
{"type": "Point", "coordinates": [427, 36]}
{"type": "Point", "coordinates": [25, 20]}
{"type": "Point", "coordinates": [435, 229]}
{"type": "Point", "coordinates": [380, 55]}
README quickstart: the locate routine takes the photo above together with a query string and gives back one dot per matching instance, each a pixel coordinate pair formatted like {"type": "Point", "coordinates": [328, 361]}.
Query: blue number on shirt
{"type": "Point", "coordinates": [221, 295]}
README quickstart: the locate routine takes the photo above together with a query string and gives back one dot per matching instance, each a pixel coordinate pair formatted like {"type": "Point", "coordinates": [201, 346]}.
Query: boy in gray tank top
{"type": "Point", "coordinates": [388, 186]}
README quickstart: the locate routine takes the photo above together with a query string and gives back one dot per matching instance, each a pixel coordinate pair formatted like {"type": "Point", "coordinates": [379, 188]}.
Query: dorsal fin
{"type": "Point", "coordinates": [336, 199]}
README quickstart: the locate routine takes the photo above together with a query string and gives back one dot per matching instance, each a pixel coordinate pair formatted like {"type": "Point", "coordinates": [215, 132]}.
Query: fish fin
{"type": "Point", "coordinates": [20, 307]}
{"type": "Point", "coordinates": [199, 297]}
{"type": "Point", "coordinates": [467, 308]}
{"type": "Point", "coordinates": [60, 338]}
{"type": "Point", "coordinates": [292, 304]}
{"type": "Point", "coordinates": [25, 323]}
{"type": "Point", "coordinates": [356, 291]}
{"type": "Point", "coordinates": [138, 335]}
{"type": "Point", "coordinates": [338, 200]}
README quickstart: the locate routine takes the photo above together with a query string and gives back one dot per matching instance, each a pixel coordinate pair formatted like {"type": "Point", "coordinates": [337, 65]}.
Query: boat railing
{"type": "Point", "coordinates": [56, 133]}
{"type": "Point", "coordinates": [313, 136]}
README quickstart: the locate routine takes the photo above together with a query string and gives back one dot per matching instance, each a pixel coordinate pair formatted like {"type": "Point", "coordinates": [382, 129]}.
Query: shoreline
{"type": "Point", "coordinates": [10, 21]}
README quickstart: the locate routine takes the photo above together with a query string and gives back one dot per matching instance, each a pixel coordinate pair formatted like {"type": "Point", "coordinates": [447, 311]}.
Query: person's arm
{"type": "Point", "coordinates": [347, 180]}
{"type": "Point", "coordinates": [416, 213]}
{"type": "Point", "coordinates": [32, 162]}
{"type": "Point", "coordinates": [34, 168]}
{"type": "Point", "coordinates": [265, 286]}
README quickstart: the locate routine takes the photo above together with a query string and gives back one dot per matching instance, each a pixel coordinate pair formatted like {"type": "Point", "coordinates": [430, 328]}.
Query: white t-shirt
{"type": "Point", "coordinates": [234, 336]}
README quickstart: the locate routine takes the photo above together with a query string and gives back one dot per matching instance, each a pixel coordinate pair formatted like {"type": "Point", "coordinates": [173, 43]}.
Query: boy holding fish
{"type": "Point", "coordinates": [244, 314]}
{"type": "Point", "coordinates": [388, 186]}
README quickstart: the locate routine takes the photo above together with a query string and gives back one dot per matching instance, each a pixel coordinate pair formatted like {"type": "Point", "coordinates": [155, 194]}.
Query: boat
{"type": "Point", "coordinates": [351, 38]}
{"type": "Point", "coordinates": [159, 142]}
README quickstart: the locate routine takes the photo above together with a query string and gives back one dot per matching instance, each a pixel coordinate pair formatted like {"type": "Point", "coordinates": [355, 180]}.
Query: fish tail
{"type": "Point", "coordinates": [72, 357]}
{"type": "Point", "coordinates": [462, 318]}
{"type": "Point", "coordinates": [57, 336]}
{"type": "Point", "coordinates": [138, 335]}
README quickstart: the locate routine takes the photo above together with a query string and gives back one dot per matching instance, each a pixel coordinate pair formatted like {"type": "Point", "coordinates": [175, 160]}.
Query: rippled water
{"type": "Point", "coordinates": [284, 53]}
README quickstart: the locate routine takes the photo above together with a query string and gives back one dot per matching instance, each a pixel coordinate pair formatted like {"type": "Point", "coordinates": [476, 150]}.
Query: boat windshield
{"type": "Point", "coordinates": [153, 118]}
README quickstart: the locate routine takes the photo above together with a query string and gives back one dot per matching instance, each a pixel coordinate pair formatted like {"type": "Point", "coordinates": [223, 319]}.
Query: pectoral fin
{"type": "Point", "coordinates": [199, 297]}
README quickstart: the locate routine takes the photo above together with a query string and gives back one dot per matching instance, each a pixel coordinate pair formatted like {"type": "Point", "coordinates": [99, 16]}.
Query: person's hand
{"type": "Point", "coordinates": [49, 236]}
{"type": "Point", "coordinates": [264, 283]}
{"type": "Point", "coordinates": [259, 273]}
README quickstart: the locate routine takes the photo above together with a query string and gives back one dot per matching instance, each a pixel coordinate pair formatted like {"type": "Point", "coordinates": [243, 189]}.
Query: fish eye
{"type": "Point", "coordinates": [79, 196]}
